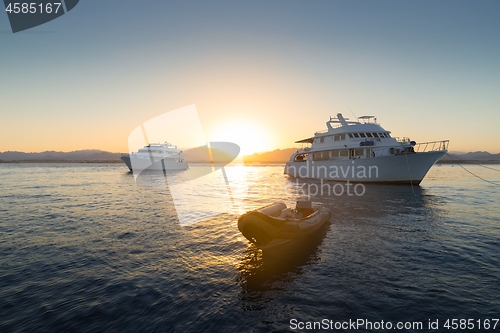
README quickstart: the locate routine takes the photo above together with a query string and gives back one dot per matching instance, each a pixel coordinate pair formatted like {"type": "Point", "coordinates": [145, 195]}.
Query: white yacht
{"type": "Point", "coordinates": [155, 157]}
{"type": "Point", "coordinates": [362, 151]}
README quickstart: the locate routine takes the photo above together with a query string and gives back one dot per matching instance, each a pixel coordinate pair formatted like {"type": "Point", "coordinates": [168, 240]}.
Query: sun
{"type": "Point", "coordinates": [250, 137]}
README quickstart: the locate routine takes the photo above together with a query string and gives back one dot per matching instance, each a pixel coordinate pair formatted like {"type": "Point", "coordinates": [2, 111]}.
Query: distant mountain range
{"type": "Point", "coordinates": [89, 155]}
{"type": "Point", "coordinates": [271, 157]}
{"type": "Point", "coordinates": [194, 155]}
{"type": "Point", "coordinates": [201, 155]}
{"type": "Point", "coordinates": [472, 156]}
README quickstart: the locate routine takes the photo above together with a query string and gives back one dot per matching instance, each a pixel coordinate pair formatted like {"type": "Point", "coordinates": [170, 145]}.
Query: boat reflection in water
{"type": "Point", "coordinates": [263, 271]}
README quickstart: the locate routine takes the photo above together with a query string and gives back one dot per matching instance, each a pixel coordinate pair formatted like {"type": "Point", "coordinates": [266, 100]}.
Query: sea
{"type": "Point", "coordinates": [90, 248]}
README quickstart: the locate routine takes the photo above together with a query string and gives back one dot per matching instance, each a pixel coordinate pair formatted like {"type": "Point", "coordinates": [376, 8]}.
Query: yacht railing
{"type": "Point", "coordinates": [431, 146]}
{"type": "Point", "coordinates": [326, 130]}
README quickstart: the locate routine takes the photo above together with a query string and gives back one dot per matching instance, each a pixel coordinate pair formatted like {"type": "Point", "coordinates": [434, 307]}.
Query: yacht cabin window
{"type": "Point", "coordinates": [359, 152]}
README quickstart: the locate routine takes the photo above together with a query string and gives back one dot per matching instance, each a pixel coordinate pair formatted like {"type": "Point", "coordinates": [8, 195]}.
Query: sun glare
{"type": "Point", "coordinates": [250, 137]}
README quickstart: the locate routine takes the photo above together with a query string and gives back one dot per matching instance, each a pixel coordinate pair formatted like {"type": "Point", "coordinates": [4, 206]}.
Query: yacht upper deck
{"type": "Point", "coordinates": [340, 128]}
{"type": "Point", "coordinates": [159, 148]}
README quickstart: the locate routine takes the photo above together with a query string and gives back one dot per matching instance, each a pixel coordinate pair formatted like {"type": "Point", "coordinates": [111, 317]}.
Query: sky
{"type": "Point", "coordinates": [261, 74]}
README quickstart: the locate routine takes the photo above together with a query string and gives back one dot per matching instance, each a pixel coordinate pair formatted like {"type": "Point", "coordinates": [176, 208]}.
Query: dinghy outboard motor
{"type": "Point", "coordinates": [304, 207]}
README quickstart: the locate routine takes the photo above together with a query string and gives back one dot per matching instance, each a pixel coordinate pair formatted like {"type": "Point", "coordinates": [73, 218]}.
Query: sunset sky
{"type": "Point", "coordinates": [262, 74]}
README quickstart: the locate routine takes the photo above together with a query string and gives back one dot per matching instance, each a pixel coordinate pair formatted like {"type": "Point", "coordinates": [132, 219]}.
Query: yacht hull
{"type": "Point", "coordinates": [138, 164]}
{"type": "Point", "coordinates": [394, 169]}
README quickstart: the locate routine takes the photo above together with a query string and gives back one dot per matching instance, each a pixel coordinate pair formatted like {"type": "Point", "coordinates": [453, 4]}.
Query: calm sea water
{"type": "Point", "coordinates": [84, 248]}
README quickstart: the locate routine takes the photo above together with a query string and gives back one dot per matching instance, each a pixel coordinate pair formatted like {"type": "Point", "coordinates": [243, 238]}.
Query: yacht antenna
{"type": "Point", "coordinates": [352, 112]}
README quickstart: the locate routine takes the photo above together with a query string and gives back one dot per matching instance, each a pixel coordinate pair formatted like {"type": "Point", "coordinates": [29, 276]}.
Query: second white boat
{"type": "Point", "coordinates": [155, 157]}
{"type": "Point", "coordinates": [363, 152]}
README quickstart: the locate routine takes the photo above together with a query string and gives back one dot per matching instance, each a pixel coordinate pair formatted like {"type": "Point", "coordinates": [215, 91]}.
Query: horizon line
{"type": "Point", "coordinates": [183, 149]}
